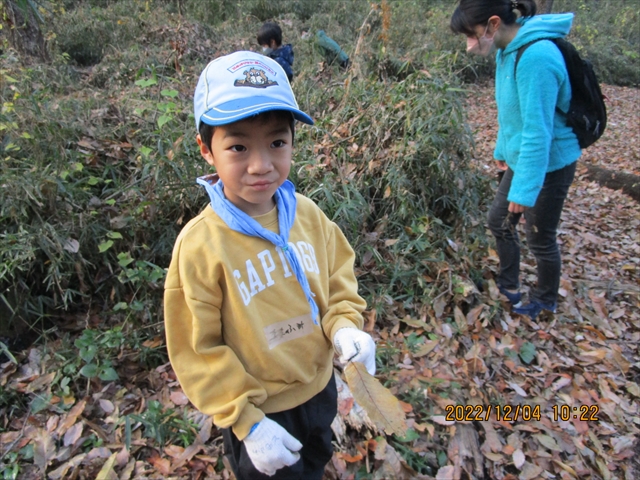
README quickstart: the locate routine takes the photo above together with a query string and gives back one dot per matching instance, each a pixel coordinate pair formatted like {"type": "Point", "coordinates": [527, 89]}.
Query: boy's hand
{"type": "Point", "coordinates": [354, 345]}
{"type": "Point", "coordinates": [271, 447]}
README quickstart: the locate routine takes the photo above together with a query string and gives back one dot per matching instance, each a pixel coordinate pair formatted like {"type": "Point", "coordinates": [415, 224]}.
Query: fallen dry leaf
{"type": "Point", "coordinates": [441, 420]}
{"type": "Point", "coordinates": [425, 348]}
{"type": "Point", "coordinates": [445, 473]}
{"type": "Point", "coordinates": [72, 435]}
{"type": "Point", "coordinates": [179, 398]}
{"type": "Point", "coordinates": [518, 458]}
{"type": "Point", "coordinates": [107, 406]}
{"type": "Point", "coordinates": [380, 404]}
{"type": "Point", "coordinates": [548, 442]}
{"type": "Point", "coordinates": [44, 449]}
{"type": "Point", "coordinates": [530, 471]}
{"type": "Point", "coordinates": [518, 389]}
{"type": "Point", "coordinates": [71, 417]}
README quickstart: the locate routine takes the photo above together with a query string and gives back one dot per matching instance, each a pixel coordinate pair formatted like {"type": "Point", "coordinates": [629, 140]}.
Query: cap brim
{"type": "Point", "coordinates": [239, 109]}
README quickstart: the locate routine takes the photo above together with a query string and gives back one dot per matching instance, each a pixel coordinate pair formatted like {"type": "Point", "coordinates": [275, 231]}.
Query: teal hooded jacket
{"type": "Point", "coordinates": [533, 136]}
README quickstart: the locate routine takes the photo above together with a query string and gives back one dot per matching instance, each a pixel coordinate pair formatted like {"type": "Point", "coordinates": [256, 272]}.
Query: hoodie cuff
{"type": "Point", "coordinates": [247, 419]}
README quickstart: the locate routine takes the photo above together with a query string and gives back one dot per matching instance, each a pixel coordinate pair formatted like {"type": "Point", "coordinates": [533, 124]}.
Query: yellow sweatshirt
{"type": "Point", "coordinates": [239, 330]}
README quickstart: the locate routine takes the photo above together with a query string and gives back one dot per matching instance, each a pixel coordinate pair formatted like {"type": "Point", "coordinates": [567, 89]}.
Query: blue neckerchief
{"type": "Point", "coordinates": [239, 221]}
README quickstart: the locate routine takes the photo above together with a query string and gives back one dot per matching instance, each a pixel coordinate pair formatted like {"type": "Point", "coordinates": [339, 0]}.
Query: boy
{"type": "Point", "coordinates": [261, 284]}
{"type": "Point", "coordinates": [270, 39]}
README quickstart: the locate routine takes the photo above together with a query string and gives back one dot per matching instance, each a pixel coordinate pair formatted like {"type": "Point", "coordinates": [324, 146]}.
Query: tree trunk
{"type": "Point", "coordinates": [544, 6]}
{"type": "Point", "coordinates": [24, 32]}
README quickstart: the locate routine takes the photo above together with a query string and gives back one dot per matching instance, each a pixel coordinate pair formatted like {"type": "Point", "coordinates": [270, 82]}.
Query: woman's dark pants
{"type": "Point", "coordinates": [310, 423]}
{"type": "Point", "coordinates": [541, 229]}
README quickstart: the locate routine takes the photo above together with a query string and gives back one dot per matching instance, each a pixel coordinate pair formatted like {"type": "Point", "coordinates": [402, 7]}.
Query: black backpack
{"type": "Point", "coordinates": [587, 114]}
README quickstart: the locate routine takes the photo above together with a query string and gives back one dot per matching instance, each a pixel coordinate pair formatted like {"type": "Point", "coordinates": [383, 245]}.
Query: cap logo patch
{"type": "Point", "coordinates": [221, 99]}
{"type": "Point", "coordinates": [255, 78]}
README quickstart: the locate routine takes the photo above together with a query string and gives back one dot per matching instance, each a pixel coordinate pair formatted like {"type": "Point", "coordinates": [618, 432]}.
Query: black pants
{"type": "Point", "coordinates": [541, 226]}
{"type": "Point", "coordinates": [310, 423]}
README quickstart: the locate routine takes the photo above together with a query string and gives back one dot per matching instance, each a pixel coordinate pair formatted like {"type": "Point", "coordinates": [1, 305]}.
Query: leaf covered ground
{"type": "Point", "coordinates": [464, 350]}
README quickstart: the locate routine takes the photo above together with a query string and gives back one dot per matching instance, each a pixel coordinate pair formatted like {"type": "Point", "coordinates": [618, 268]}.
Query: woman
{"type": "Point", "coordinates": [535, 147]}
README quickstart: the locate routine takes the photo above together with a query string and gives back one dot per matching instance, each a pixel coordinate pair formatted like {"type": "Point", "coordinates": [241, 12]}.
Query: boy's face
{"type": "Point", "coordinates": [270, 47]}
{"type": "Point", "coordinates": [252, 158]}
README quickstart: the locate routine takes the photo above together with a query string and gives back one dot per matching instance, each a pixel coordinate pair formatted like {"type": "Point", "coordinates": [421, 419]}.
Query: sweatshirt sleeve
{"type": "Point", "coordinates": [210, 373]}
{"type": "Point", "coordinates": [540, 73]}
{"type": "Point", "coordinates": [345, 306]}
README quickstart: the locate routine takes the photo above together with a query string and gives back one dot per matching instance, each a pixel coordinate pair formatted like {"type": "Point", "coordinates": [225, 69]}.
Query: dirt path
{"type": "Point", "coordinates": [600, 230]}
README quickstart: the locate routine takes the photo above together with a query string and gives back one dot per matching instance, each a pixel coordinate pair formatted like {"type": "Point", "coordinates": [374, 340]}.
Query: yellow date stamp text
{"type": "Point", "coordinates": [482, 413]}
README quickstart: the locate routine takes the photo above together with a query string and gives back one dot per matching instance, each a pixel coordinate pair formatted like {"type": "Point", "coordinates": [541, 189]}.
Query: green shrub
{"type": "Point", "coordinates": [606, 32]}
{"type": "Point", "coordinates": [388, 161]}
{"type": "Point", "coordinates": [91, 30]}
{"type": "Point", "coordinates": [213, 13]}
{"type": "Point", "coordinates": [430, 44]}
{"type": "Point", "coordinates": [216, 13]}
{"type": "Point", "coordinates": [84, 46]}
{"type": "Point", "coordinates": [164, 425]}
{"type": "Point", "coordinates": [87, 184]}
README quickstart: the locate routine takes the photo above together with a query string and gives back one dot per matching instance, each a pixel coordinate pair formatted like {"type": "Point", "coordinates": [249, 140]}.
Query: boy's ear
{"type": "Point", "coordinates": [205, 151]}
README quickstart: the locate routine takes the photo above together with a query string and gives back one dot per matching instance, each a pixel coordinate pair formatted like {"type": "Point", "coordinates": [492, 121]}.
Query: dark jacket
{"type": "Point", "coordinates": [331, 50]}
{"type": "Point", "coordinates": [284, 56]}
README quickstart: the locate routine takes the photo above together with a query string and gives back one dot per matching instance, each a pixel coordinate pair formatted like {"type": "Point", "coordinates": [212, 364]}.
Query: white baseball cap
{"type": "Point", "coordinates": [240, 85]}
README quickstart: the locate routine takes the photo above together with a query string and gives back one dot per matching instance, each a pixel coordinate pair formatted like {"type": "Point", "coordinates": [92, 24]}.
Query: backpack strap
{"type": "Point", "coordinates": [521, 51]}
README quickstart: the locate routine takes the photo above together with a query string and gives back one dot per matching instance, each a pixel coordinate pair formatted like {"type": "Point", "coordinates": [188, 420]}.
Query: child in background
{"type": "Point", "coordinates": [261, 288]}
{"type": "Point", "coordinates": [328, 47]}
{"type": "Point", "coordinates": [270, 39]}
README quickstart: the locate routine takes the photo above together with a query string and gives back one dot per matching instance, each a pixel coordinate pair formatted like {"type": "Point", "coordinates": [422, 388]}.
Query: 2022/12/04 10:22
{"type": "Point", "coordinates": [515, 413]}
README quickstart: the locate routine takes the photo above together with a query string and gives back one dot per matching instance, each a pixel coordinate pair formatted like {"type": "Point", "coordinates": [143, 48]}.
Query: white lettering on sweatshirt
{"type": "Point", "coordinates": [304, 252]}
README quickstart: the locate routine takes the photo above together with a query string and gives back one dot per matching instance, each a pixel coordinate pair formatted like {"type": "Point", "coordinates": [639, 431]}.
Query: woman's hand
{"type": "Point", "coordinates": [502, 165]}
{"type": "Point", "coordinates": [516, 207]}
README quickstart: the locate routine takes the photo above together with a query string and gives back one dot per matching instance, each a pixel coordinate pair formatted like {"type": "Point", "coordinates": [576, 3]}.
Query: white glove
{"type": "Point", "coordinates": [271, 447]}
{"type": "Point", "coordinates": [354, 345]}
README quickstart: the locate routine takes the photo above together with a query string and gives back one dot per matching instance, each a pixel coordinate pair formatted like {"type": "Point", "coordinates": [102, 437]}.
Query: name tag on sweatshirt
{"type": "Point", "coordinates": [286, 330]}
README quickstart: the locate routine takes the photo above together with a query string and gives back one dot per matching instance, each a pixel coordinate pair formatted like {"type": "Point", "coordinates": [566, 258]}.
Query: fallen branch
{"type": "Point", "coordinates": [627, 182]}
{"type": "Point", "coordinates": [626, 288]}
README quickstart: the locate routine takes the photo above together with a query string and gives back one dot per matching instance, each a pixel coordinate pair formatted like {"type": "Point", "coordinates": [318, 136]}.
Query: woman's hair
{"type": "Point", "coordinates": [269, 31]}
{"type": "Point", "coordinates": [471, 13]}
{"type": "Point", "coordinates": [206, 131]}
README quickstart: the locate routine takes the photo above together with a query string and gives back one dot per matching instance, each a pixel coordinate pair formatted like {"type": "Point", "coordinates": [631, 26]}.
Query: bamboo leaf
{"type": "Point", "coordinates": [108, 472]}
